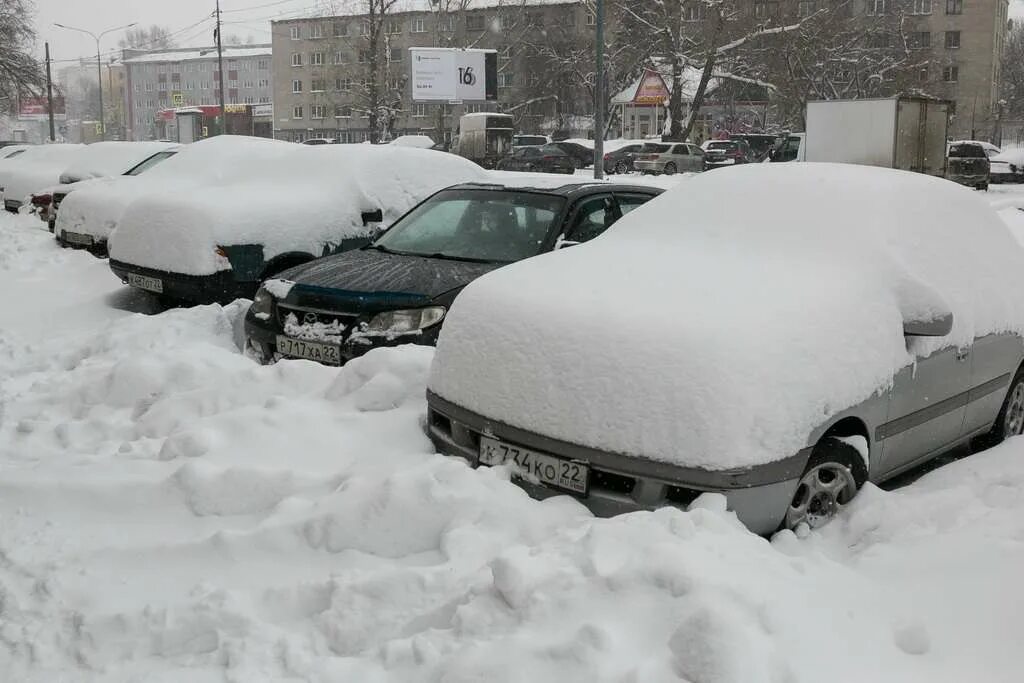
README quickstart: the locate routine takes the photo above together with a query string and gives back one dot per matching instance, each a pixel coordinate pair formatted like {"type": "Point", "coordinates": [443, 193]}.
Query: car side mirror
{"type": "Point", "coordinates": [373, 217]}
{"type": "Point", "coordinates": [936, 327]}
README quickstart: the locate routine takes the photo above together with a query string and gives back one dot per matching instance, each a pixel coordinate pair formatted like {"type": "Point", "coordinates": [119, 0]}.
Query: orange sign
{"type": "Point", "coordinates": [652, 89]}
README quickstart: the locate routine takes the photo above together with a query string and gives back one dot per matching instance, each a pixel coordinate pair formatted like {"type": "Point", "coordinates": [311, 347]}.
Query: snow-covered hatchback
{"type": "Point", "coordinates": [217, 243]}
{"type": "Point", "coordinates": [782, 350]}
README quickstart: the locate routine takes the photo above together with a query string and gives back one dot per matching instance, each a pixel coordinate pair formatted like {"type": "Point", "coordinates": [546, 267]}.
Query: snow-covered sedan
{"type": "Point", "coordinates": [1007, 166]}
{"type": "Point", "coordinates": [782, 350]}
{"type": "Point", "coordinates": [37, 167]}
{"type": "Point", "coordinates": [218, 242]}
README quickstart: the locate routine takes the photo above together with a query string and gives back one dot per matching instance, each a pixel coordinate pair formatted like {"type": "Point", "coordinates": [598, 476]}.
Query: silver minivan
{"type": "Point", "coordinates": [669, 158]}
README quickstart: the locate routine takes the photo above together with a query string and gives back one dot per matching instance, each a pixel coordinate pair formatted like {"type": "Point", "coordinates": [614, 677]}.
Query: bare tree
{"type": "Point", "coordinates": [1012, 88]}
{"type": "Point", "coordinates": [20, 73]}
{"type": "Point", "coordinates": [153, 38]}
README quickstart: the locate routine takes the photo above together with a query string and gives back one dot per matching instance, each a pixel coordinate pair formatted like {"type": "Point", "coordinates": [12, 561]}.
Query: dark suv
{"type": "Point", "coordinates": [968, 164]}
{"type": "Point", "coordinates": [398, 289]}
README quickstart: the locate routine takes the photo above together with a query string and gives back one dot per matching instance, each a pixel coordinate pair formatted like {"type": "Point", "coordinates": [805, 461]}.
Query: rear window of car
{"type": "Point", "coordinates": [652, 148]}
{"type": "Point", "coordinates": [552, 150]}
{"type": "Point", "coordinates": [966, 151]}
{"type": "Point", "coordinates": [724, 144]}
{"type": "Point", "coordinates": [530, 140]}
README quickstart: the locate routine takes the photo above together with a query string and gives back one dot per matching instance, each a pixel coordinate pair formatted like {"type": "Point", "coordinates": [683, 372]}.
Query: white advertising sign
{"type": "Point", "coordinates": [452, 75]}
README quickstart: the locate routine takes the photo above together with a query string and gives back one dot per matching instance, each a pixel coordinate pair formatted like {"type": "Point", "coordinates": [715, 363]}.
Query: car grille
{"type": "Point", "coordinates": [312, 316]}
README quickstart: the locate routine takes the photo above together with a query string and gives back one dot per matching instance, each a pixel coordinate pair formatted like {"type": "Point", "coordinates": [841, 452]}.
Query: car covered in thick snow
{"type": "Point", "coordinates": [397, 289]}
{"type": "Point", "coordinates": [1007, 166]}
{"type": "Point", "coordinates": [782, 350]}
{"type": "Point", "coordinates": [217, 243]}
{"type": "Point", "coordinates": [88, 216]}
{"type": "Point", "coordinates": [37, 167]}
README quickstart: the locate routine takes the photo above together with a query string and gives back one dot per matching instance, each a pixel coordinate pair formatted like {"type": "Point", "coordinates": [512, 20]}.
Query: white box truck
{"type": "Point", "coordinates": [907, 133]}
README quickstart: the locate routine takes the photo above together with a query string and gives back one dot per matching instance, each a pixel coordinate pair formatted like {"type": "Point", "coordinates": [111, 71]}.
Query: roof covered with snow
{"type": "Point", "coordinates": [184, 55]}
{"type": "Point", "coordinates": [357, 8]}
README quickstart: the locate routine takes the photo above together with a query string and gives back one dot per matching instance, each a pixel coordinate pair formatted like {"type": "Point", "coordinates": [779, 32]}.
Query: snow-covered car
{"type": "Point", "coordinates": [35, 168]}
{"type": "Point", "coordinates": [1007, 166]}
{"type": "Point", "coordinates": [88, 216]}
{"type": "Point", "coordinates": [219, 243]}
{"type": "Point", "coordinates": [417, 141]}
{"type": "Point", "coordinates": [782, 350]}
{"type": "Point", "coordinates": [396, 290]}
{"type": "Point", "coordinates": [11, 151]}
{"type": "Point", "coordinates": [98, 160]}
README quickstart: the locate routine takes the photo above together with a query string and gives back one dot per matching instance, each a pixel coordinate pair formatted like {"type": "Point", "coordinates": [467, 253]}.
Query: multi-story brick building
{"type": "Point", "coordinates": [159, 81]}
{"type": "Point", "coordinates": [320, 67]}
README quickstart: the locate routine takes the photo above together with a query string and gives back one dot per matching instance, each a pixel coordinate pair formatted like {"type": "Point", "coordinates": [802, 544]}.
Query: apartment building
{"type": "Point", "coordinates": [162, 80]}
{"type": "Point", "coordinates": [320, 67]}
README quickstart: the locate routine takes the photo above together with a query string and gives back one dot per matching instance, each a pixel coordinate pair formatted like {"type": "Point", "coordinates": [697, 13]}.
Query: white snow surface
{"type": "Point", "coordinates": [212, 163]}
{"type": "Point", "coordinates": [174, 512]}
{"type": "Point", "coordinates": [417, 141]}
{"type": "Point", "coordinates": [102, 159]}
{"type": "Point", "coordinates": [303, 200]}
{"type": "Point", "coordinates": [717, 333]}
{"type": "Point", "coordinates": [37, 168]}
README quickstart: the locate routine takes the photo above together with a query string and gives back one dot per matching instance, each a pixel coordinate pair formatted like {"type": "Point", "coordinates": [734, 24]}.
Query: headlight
{"type": "Point", "coordinates": [262, 303]}
{"type": "Point", "coordinates": [411, 320]}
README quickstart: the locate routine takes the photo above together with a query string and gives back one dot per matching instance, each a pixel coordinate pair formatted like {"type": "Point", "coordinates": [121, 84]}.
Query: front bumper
{"type": "Point", "coordinates": [12, 205]}
{"type": "Point", "coordinates": [75, 241]}
{"type": "Point", "coordinates": [969, 179]}
{"type": "Point", "coordinates": [221, 287]}
{"type": "Point", "coordinates": [618, 483]}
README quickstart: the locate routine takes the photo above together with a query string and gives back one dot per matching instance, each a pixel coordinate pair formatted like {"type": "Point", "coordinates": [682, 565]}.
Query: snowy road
{"type": "Point", "coordinates": [170, 511]}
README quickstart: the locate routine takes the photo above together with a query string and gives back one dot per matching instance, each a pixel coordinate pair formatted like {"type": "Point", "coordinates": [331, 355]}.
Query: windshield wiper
{"type": "Point", "coordinates": [464, 259]}
{"type": "Point", "coordinates": [381, 248]}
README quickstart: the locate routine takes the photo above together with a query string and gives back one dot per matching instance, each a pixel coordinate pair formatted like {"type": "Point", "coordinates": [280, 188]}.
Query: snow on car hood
{"type": "Point", "coordinates": [308, 199]}
{"type": "Point", "coordinates": [102, 159]}
{"type": "Point", "coordinates": [719, 333]}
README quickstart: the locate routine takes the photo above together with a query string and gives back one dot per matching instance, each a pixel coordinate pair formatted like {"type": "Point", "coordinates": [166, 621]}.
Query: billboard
{"type": "Point", "coordinates": [652, 89]}
{"type": "Point", "coordinates": [36, 107]}
{"type": "Point", "coordinates": [453, 75]}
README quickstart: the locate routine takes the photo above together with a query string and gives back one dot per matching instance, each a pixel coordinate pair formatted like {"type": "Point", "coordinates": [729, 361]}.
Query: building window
{"type": "Point", "coordinates": [364, 56]}
{"type": "Point", "coordinates": [507, 22]}
{"type": "Point", "coordinates": [395, 54]}
{"type": "Point", "coordinates": [297, 111]}
{"type": "Point", "coordinates": [294, 31]}
{"type": "Point", "coordinates": [419, 110]}
{"type": "Point", "coordinates": [343, 84]}
{"type": "Point", "coordinates": [338, 57]}
{"type": "Point", "coordinates": [446, 24]}
{"type": "Point", "coordinates": [475, 22]}
{"type": "Point", "coordinates": [393, 26]}
{"type": "Point", "coordinates": [806, 8]}
{"type": "Point", "coordinates": [296, 59]}
{"type": "Point", "coordinates": [505, 80]}
{"type": "Point", "coordinates": [340, 29]}
{"type": "Point", "coordinates": [364, 28]}
{"type": "Point", "coordinates": [318, 85]}
{"type": "Point", "coordinates": [296, 86]}
{"type": "Point", "coordinates": [766, 10]}
{"type": "Point", "coordinates": [951, 74]}
{"type": "Point", "coordinates": [952, 40]}
{"type": "Point", "coordinates": [591, 19]}
{"type": "Point", "coordinates": [263, 83]}
{"type": "Point", "coordinates": [248, 99]}
{"type": "Point", "coordinates": [316, 31]}
{"type": "Point", "coordinates": [921, 7]}
{"type": "Point", "coordinates": [917, 40]}
{"type": "Point", "coordinates": [419, 25]}
{"type": "Point", "coordinates": [316, 58]}
{"type": "Point", "coordinates": [263, 64]}
{"type": "Point", "coordinates": [954, 6]}
{"type": "Point", "coordinates": [923, 74]}
{"type": "Point", "coordinates": [877, 7]}
{"type": "Point", "coordinates": [264, 100]}
{"type": "Point", "coordinates": [318, 111]}
{"type": "Point", "coordinates": [394, 84]}
{"type": "Point", "coordinates": [343, 111]}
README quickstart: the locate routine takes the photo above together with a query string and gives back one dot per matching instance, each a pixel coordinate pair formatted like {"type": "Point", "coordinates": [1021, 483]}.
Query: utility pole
{"type": "Point", "coordinates": [49, 94]}
{"type": "Point", "coordinates": [220, 68]}
{"type": "Point", "coordinates": [599, 94]}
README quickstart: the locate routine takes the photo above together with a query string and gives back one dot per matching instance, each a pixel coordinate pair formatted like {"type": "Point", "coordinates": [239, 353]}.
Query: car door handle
{"type": "Point", "coordinates": [962, 354]}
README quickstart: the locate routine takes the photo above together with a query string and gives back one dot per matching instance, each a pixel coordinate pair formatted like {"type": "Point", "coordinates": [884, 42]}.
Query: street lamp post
{"type": "Point", "coordinates": [99, 65]}
{"type": "Point", "coordinates": [599, 92]}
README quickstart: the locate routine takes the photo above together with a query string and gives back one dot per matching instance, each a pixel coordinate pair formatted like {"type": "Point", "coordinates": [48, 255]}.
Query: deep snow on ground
{"type": "Point", "coordinates": [170, 511]}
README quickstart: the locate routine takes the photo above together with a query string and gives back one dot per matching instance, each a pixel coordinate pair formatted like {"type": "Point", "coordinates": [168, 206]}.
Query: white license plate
{"type": "Point", "coordinates": [310, 350]}
{"type": "Point", "coordinates": [151, 284]}
{"type": "Point", "coordinates": [533, 466]}
{"type": "Point", "coordinates": [78, 238]}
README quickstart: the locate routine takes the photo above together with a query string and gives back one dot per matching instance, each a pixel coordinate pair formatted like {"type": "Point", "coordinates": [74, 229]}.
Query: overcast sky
{"type": "Point", "coordinates": [192, 19]}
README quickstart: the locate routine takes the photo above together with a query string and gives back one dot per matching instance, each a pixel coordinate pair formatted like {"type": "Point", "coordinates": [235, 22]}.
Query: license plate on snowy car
{"type": "Point", "coordinates": [77, 238]}
{"type": "Point", "coordinates": [533, 466]}
{"type": "Point", "coordinates": [329, 354]}
{"type": "Point", "coordinates": [150, 284]}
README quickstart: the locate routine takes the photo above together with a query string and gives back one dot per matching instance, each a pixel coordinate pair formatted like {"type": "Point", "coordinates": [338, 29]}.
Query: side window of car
{"type": "Point", "coordinates": [680, 149]}
{"type": "Point", "coordinates": [593, 216]}
{"type": "Point", "coordinates": [628, 202]}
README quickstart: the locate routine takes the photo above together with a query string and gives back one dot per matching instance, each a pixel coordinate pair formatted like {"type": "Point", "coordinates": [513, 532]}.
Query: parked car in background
{"type": "Point", "coordinates": [484, 138]}
{"type": "Point", "coordinates": [11, 151]}
{"type": "Point", "coordinates": [529, 140]}
{"type": "Point", "coordinates": [968, 164]}
{"type": "Point", "coordinates": [319, 141]}
{"type": "Point", "coordinates": [669, 158]}
{"type": "Point", "coordinates": [720, 153]}
{"type": "Point", "coordinates": [582, 155]}
{"type": "Point", "coordinates": [397, 290]}
{"type": "Point", "coordinates": [217, 242]}
{"type": "Point", "coordinates": [36, 168]}
{"type": "Point", "coordinates": [542, 159]}
{"type": "Point", "coordinates": [683, 352]}
{"type": "Point", "coordinates": [760, 144]}
{"type": "Point", "coordinates": [791, 147]}
{"type": "Point", "coordinates": [1007, 166]}
{"type": "Point", "coordinates": [620, 154]}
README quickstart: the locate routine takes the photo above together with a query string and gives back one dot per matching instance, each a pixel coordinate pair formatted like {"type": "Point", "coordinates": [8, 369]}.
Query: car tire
{"type": "Point", "coordinates": [620, 168]}
{"type": "Point", "coordinates": [834, 474]}
{"type": "Point", "coordinates": [1010, 421]}
{"type": "Point", "coordinates": [670, 168]}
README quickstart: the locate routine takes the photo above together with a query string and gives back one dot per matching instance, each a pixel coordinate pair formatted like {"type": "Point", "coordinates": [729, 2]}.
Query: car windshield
{"type": "Point", "coordinates": [151, 162]}
{"type": "Point", "coordinates": [475, 225]}
{"type": "Point", "coordinates": [966, 151]}
{"type": "Point", "coordinates": [722, 145]}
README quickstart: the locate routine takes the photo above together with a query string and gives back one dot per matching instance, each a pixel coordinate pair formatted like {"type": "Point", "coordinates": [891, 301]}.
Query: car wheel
{"type": "Point", "coordinates": [1010, 421]}
{"type": "Point", "coordinates": [620, 167]}
{"type": "Point", "coordinates": [833, 475]}
{"type": "Point", "coordinates": [670, 168]}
